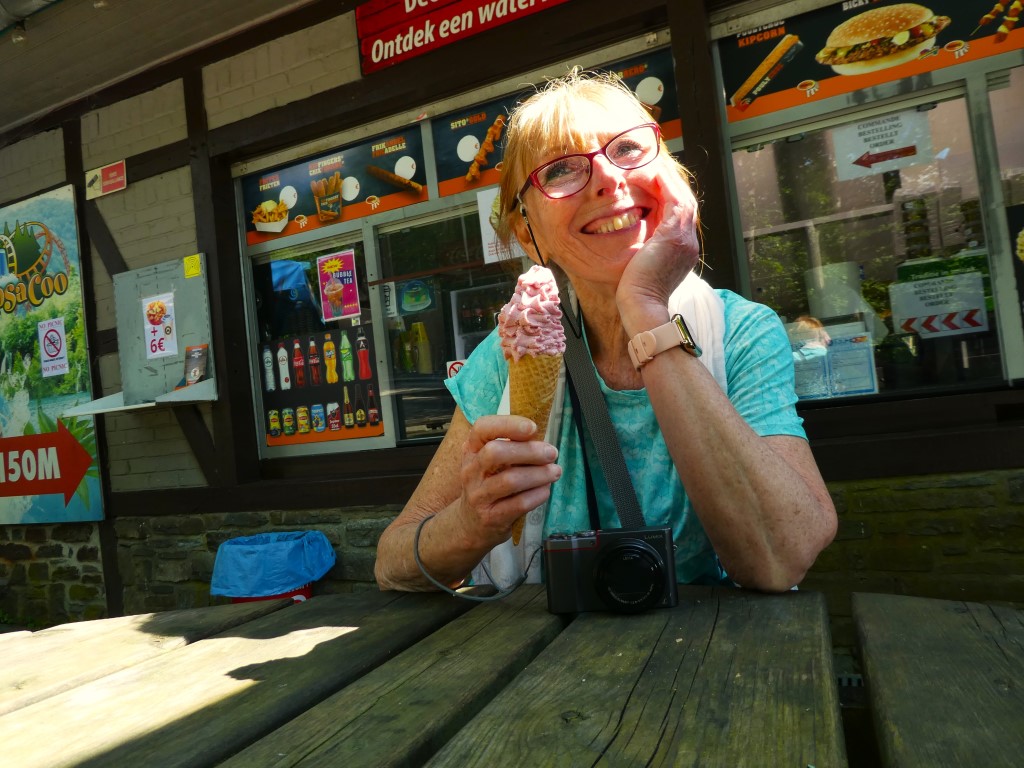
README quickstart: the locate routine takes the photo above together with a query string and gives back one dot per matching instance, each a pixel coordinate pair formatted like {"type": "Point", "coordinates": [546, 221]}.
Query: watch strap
{"type": "Point", "coordinates": [647, 344]}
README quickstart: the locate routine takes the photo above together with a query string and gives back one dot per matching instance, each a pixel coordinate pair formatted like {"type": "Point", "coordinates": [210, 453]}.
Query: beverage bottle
{"type": "Point", "coordinates": [360, 407]}
{"type": "Point", "coordinates": [268, 369]}
{"type": "Point", "coordinates": [282, 367]}
{"type": "Point", "coordinates": [348, 372]}
{"type": "Point", "coordinates": [347, 415]}
{"type": "Point", "coordinates": [313, 360]}
{"type": "Point", "coordinates": [331, 359]}
{"type": "Point", "coordinates": [299, 365]}
{"type": "Point", "coordinates": [363, 351]}
{"type": "Point", "coordinates": [372, 411]}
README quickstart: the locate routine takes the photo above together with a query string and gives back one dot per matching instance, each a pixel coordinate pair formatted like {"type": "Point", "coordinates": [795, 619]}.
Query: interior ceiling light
{"type": "Point", "coordinates": [18, 34]}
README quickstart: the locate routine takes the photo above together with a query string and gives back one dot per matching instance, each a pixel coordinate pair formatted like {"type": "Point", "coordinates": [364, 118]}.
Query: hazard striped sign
{"type": "Point", "coordinates": [949, 305]}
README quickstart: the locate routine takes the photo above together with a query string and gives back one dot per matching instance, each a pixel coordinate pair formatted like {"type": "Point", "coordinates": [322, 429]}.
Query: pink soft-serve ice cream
{"type": "Point", "coordinates": [533, 341]}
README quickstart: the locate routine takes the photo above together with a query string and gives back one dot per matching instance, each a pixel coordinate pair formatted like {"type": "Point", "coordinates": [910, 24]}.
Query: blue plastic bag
{"type": "Point", "coordinates": [270, 563]}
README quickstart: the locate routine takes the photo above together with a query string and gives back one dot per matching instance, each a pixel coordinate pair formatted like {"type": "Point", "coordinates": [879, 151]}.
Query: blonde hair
{"type": "Point", "coordinates": [549, 121]}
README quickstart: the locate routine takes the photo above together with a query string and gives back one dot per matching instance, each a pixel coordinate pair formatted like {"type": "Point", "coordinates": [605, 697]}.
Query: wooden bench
{"type": "Point", "coordinates": [945, 680]}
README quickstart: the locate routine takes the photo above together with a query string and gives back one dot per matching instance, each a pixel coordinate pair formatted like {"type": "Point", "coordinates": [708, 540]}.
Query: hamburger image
{"type": "Point", "coordinates": [880, 38]}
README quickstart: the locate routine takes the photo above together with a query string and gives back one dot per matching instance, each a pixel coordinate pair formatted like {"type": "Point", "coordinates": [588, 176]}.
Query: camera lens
{"type": "Point", "coordinates": [630, 576]}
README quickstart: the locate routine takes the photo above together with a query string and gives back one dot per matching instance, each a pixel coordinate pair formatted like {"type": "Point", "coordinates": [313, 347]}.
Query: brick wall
{"type": "Point", "coordinates": [283, 71]}
{"type": "Point", "coordinates": [954, 537]}
{"type": "Point", "coordinates": [147, 121]}
{"type": "Point", "coordinates": [31, 165]}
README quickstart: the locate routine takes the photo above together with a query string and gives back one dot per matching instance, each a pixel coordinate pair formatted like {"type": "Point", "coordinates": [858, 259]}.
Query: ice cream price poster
{"type": "Point", "coordinates": [380, 174]}
{"type": "Point", "coordinates": [49, 471]}
{"type": "Point", "coordinates": [858, 44]}
{"type": "Point", "coordinates": [339, 294]}
{"type": "Point", "coordinates": [159, 333]}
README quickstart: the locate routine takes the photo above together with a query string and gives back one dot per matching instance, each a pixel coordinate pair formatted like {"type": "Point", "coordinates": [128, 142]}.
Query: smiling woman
{"type": "Point", "coordinates": [712, 441]}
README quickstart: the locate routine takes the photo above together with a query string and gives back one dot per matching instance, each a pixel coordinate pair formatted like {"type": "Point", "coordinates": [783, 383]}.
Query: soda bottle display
{"type": "Point", "coordinates": [313, 361]}
{"type": "Point", "coordinates": [331, 359]}
{"type": "Point", "coordinates": [360, 407]}
{"type": "Point", "coordinates": [299, 366]}
{"type": "Point", "coordinates": [372, 411]}
{"type": "Point", "coordinates": [363, 351]}
{"type": "Point", "coordinates": [349, 418]}
{"type": "Point", "coordinates": [268, 369]}
{"type": "Point", "coordinates": [282, 367]}
{"type": "Point", "coordinates": [348, 372]}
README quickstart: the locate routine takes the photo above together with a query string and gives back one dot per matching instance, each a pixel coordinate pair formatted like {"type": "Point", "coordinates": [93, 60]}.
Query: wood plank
{"type": "Point", "coordinates": [400, 713]}
{"type": "Point", "coordinates": [945, 680]}
{"type": "Point", "coordinates": [200, 704]}
{"type": "Point", "coordinates": [727, 678]}
{"type": "Point", "coordinates": [42, 664]}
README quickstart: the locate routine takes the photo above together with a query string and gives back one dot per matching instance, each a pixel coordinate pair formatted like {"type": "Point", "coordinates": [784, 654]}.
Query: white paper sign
{"type": "Point", "coordinates": [882, 143]}
{"type": "Point", "coordinates": [950, 305]}
{"type": "Point", "coordinates": [53, 347]}
{"type": "Point", "coordinates": [158, 326]}
{"type": "Point", "coordinates": [487, 210]}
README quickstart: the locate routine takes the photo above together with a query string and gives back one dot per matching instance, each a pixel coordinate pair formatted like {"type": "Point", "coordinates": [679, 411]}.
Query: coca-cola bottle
{"type": "Point", "coordinates": [313, 360]}
{"type": "Point", "coordinates": [298, 366]}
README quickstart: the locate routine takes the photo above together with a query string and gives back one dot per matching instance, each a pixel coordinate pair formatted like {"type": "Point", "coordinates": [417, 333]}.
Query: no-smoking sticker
{"type": "Point", "coordinates": [53, 348]}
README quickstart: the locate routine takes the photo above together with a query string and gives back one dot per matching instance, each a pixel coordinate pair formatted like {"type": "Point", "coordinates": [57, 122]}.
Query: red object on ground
{"type": "Point", "coordinates": [299, 595]}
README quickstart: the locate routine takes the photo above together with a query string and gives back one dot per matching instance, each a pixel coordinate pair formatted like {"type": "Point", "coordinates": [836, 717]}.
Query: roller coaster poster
{"type": "Point", "coordinates": [49, 471]}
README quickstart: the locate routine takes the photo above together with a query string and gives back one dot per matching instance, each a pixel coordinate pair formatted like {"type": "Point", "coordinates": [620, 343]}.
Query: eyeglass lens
{"type": "Point", "coordinates": [569, 174]}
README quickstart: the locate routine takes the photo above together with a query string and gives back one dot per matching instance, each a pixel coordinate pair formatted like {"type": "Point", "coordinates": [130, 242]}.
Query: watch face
{"type": "Point", "coordinates": [688, 343]}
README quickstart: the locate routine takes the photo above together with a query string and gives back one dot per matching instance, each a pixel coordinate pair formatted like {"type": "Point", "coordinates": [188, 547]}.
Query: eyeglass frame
{"type": "Point", "coordinates": [531, 177]}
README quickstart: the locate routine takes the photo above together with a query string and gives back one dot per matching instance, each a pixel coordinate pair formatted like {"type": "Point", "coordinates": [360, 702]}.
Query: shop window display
{"type": "Point", "coordinates": [868, 235]}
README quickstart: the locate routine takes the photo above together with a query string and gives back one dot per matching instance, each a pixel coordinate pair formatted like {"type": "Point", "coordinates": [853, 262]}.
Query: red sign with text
{"type": "Point", "coordinates": [391, 31]}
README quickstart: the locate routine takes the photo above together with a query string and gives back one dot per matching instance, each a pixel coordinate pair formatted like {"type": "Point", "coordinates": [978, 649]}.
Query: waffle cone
{"type": "Point", "coordinates": [532, 384]}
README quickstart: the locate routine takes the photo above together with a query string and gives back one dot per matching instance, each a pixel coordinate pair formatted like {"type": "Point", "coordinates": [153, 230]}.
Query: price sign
{"type": "Point", "coordinates": [158, 326]}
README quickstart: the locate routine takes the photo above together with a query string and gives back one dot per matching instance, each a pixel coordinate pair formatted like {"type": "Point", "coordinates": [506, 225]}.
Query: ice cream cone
{"type": "Point", "coordinates": [532, 384]}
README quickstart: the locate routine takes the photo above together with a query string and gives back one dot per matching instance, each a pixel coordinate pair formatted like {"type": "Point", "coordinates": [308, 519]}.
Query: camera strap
{"type": "Point", "coordinates": [577, 417]}
{"type": "Point", "coordinates": [588, 401]}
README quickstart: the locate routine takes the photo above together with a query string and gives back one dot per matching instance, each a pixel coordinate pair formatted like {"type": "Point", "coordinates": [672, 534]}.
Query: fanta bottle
{"type": "Point", "coordinates": [330, 359]}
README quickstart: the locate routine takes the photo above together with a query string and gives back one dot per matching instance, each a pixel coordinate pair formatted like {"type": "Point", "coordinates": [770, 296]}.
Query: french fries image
{"type": "Point", "coordinates": [269, 211]}
{"type": "Point", "coordinates": [493, 135]}
{"type": "Point", "coordinates": [394, 179]}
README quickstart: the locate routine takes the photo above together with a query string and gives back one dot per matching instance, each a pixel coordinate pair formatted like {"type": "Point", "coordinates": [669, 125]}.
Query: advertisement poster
{"type": "Point", "coordinates": [1015, 226]}
{"type": "Point", "coordinates": [468, 144]}
{"type": "Point", "coordinates": [339, 294]}
{"type": "Point", "coordinates": [391, 31]}
{"type": "Point", "coordinates": [158, 322]}
{"type": "Point", "coordinates": [858, 44]}
{"type": "Point", "coordinates": [376, 175]}
{"type": "Point", "coordinates": [839, 366]}
{"type": "Point", "coordinates": [48, 466]}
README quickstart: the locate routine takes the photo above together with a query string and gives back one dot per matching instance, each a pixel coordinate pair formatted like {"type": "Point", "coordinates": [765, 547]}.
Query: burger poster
{"type": "Point", "coordinates": [380, 174]}
{"type": "Point", "coordinates": [858, 44]}
{"type": "Point", "coordinates": [48, 462]}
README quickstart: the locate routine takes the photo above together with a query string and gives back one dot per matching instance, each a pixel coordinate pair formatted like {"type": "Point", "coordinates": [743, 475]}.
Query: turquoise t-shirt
{"type": "Point", "coordinates": [759, 369]}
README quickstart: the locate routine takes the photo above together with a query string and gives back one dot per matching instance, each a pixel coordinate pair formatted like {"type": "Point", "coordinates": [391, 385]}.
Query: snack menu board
{"type": "Point", "coordinates": [469, 144]}
{"type": "Point", "coordinates": [380, 174]}
{"type": "Point", "coordinates": [858, 44]}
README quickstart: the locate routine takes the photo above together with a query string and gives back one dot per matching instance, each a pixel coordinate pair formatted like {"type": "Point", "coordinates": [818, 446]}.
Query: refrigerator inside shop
{"type": "Point", "coordinates": [440, 298]}
{"type": "Point", "coordinates": [316, 351]}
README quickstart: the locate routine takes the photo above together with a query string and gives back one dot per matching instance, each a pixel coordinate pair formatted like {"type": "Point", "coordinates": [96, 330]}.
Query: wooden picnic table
{"type": "Point", "coordinates": [945, 680]}
{"type": "Point", "coordinates": [729, 677]}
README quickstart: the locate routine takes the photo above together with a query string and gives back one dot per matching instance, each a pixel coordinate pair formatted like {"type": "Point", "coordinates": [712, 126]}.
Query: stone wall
{"type": "Point", "coordinates": [167, 562]}
{"type": "Point", "coordinates": [958, 537]}
{"type": "Point", "coordinates": [50, 574]}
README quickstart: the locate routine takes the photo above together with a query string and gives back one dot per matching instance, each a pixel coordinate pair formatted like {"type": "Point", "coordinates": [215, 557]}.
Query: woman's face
{"type": "Point", "coordinates": [594, 233]}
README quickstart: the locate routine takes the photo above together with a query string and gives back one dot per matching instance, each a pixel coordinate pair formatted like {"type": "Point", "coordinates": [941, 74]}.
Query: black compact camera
{"type": "Point", "coordinates": [621, 570]}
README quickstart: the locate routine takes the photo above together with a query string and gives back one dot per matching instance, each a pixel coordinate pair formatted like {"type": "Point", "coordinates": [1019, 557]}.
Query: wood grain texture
{"type": "Point", "coordinates": [945, 680]}
{"type": "Point", "coordinates": [206, 701]}
{"type": "Point", "coordinates": [41, 664]}
{"type": "Point", "coordinates": [727, 678]}
{"type": "Point", "coordinates": [404, 710]}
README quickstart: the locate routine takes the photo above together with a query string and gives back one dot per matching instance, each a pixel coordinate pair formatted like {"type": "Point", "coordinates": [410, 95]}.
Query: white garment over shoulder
{"type": "Point", "coordinates": [704, 313]}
